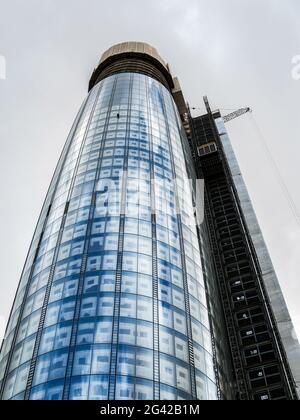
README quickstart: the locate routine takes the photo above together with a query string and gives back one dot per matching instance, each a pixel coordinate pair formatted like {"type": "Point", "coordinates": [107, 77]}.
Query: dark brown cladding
{"type": "Point", "coordinates": [133, 57]}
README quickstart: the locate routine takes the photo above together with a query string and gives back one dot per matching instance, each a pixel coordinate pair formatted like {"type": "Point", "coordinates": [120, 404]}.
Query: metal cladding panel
{"type": "Point", "coordinates": [133, 47]}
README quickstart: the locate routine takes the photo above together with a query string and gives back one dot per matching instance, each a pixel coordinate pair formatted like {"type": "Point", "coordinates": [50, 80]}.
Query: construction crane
{"type": "Point", "coordinates": [228, 117]}
{"type": "Point", "coordinates": [236, 114]}
{"type": "Point", "coordinates": [284, 187]}
{"type": "Point", "coordinates": [282, 183]}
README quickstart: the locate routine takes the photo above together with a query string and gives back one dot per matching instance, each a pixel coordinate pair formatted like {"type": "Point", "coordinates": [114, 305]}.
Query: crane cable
{"type": "Point", "coordinates": [284, 188]}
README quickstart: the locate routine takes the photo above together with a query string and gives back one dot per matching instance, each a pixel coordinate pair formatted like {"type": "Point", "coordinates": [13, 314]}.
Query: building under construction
{"type": "Point", "coordinates": [262, 342]}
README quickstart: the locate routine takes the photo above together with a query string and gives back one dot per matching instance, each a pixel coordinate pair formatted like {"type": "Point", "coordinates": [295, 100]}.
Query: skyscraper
{"type": "Point", "coordinates": [123, 295]}
{"type": "Point", "coordinates": [263, 344]}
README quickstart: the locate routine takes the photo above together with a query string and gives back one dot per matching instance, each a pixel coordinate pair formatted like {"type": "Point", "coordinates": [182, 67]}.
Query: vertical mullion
{"type": "Point", "coordinates": [156, 350]}
{"type": "Point", "coordinates": [118, 285]}
{"type": "Point", "coordinates": [79, 298]}
{"type": "Point", "coordinates": [183, 259]}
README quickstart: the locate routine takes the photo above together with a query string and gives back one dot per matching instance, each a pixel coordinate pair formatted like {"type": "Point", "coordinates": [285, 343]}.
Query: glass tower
{"type": "Point", "coordinates": [138, 285]}
{"type": "Point", "coordinates": [112, 302]}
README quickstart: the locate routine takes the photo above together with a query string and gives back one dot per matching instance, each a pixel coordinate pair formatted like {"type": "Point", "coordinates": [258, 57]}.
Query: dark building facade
{"type": "Point", "coordinates": [124, 296]}
{"type": "Point", "coordinates": [263, 344]}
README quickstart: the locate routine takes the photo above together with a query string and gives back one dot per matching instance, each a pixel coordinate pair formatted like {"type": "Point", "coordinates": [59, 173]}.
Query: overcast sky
{"type": "Point", "coordinates": [238, 52]}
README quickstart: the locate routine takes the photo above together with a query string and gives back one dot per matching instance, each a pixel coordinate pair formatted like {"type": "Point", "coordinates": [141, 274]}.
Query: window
{"type": "Point", "coordinates": [9, 386]}
{"type": "Point", "coordinates": [70, 288]}
{"type": "Point", "coordinates": [145, 229]}
{"type": "Point", "coordinates": [167, 371]}
{"type": "Point", "coordinates": [38, 393]}
{"type": "Point", "coordinates": [124, 389]}
{"type": "Point", "coordinates": [106, 304]}
{"type": "Point", "coordinates": [33, 323]}
{"type": "Point", "coordinates": [52, 314]}
{"type": "Point", "coordinates": [144, 364]}
{"type": "Point", "coordinates": [201, 383]}
{"type": "Point", "coordinates": [28, 347]}
{"type": "Point", "coordinates": [145, 246]}
{"type": "Point", "coordinates": [21, 379]}
{"type": "Point", "coordinates": [131, 226]}
{"type": "Point", "coordinates": [98, 228]}
{"type": "Point", "coordinates": [94, 264]}
{"type": "Point", "coordinates": [54, 391]}
{"type": "Point", "coordinates": [145, 265]}
{"type": "Point", "coordinates": [179, 322]}
{"type": "Point", "coordinates": [112, 225]}
{"type": "Point", "coordinates": [67, 311]}
{"type": "Point", "coordinates": [166, 341]}
{"type": "Point", "coordinates": [165, 292]}
{"type": "Point", "coordinates": [144, 334]}
{"type": "Point", "coordinates": [144, 285]}
{"type": "Point", "coordinates": [103, 332]}
{"type": "Point", "coordinates": [58, 365]}
{"type": "Point", "coordinates": [82, 362]}
{"type": "Point", "coordinates": [107, 282]}
{"type": "Point", "coordinates": [57, 291]}
{"type": "Point", "coordinates": [127, 332]}
{"type": "Point", "coordinates": [177, 278]}
{"type": "Point", "coordinates": [126, 362]}
{"type": "Point", "coordinates": [101, 360]}
{"type": "Point", "coordinates": [181, 349]}
{"type": "Point", "coordinates": [85, 333]}
{"type": "Point", "coordinates": [167, 393]}
{"type": "Point", "coordinates": [110, 262]}
{"type": "Point", "coordinates": [96, 244]}
{"type": "Point", "coordinates": [131, 243]}
{"type": "Point", "coordinates": [165, 315]}
{"type": "Point", "coordinates": [129, 283]}
{"type": "Point", "coordinates": [79, 389]}
{"type": "Point", "coordinates": [197, 333]}
{"type": "Point", "coordinates": [183, 380]}
{"type": "Point", "coordinates": [128, 306]}
{"type": "Point", "coordinates": [144, 309]}
{"type": "Point", "coordinates": [63, 336]}
{"type": "Point", "coordinates": [98, 388]}
{"type": "Point", "coordinates": [47, 341]}
{"type": "Point", "coordinates": [42, 370]}
{"type": "Point", "coordinates": [88, 307]}
{"type": "Point", "coordinates": [144, 391]}
{"type": "Point", "coordinates": [129, 262]}
{"type": "Point", "coordinates": [91, 284]}
{"type": "Point", "coordinates": [111, 243]}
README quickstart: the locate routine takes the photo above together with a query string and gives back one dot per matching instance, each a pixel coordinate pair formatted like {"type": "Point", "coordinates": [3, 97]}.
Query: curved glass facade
{"type": "Point", "coordinates": [112, 305]}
